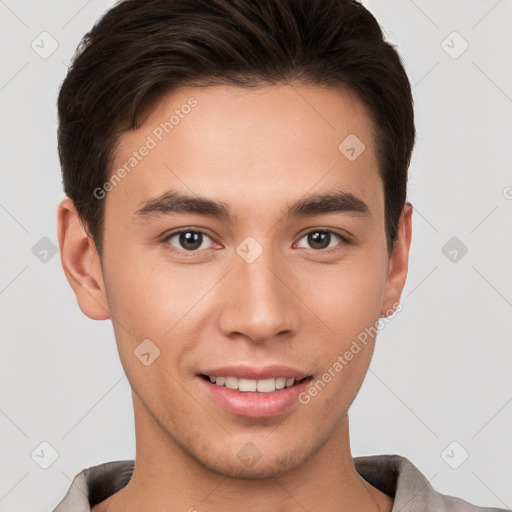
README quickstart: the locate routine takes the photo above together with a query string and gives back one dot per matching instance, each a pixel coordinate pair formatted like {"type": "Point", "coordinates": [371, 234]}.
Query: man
{"type": "Point", "coordinates": [236, 173]}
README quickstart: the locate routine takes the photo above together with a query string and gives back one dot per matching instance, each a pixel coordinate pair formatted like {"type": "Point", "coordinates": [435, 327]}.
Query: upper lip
{"type": "Point", "coordinates": [250, 372]}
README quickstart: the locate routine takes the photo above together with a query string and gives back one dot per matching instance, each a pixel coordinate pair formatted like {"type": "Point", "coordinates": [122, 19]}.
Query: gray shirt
{"type": "Point", "coordinates": [391, 474]}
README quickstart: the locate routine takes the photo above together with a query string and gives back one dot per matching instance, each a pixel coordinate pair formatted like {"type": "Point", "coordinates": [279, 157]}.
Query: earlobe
{"type": "Point", "coordinates": [81, 263]}
{"type": "Point", "coordinates": [398, 262]}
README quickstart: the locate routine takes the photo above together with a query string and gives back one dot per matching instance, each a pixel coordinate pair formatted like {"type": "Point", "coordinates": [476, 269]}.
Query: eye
{"type": "Point", "coordinates": [320, 239]}
{"type": "Point", "coordinates": [188, 240]}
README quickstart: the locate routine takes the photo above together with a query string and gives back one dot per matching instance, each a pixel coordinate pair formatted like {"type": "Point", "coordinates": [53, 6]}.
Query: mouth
{"type": "Point", "coordinates": [255, 386]}
{"type": "Point", "coordinates": [254, 398]}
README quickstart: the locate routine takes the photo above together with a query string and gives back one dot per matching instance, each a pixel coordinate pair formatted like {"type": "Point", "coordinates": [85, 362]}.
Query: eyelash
{"type": "Point", "coordinates": [343, 239]}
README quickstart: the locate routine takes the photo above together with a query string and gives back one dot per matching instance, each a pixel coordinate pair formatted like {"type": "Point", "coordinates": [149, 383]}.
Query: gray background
{"type": "Point", "coordinates": [442, 368]}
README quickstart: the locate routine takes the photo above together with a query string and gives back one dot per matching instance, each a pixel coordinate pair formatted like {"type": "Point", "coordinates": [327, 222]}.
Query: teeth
{"type": "Point", "coordinates": [245, 385]}
{"type": "Point", "coordinates": [280, 382]}
{"type": "Point", "coordinates": [266, 385]}
{"type": "Point", "coordinates": [231, 382]}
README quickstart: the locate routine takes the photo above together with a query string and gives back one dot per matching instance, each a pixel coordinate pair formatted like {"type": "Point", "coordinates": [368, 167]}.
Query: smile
{"type": "Point", "coordinates": [268, 385]}
{"type": "Point", "coordinates": [254, 398]}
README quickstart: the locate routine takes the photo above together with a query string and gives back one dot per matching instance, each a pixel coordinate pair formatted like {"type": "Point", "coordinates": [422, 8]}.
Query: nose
{"type": "Point", "coordinates": [258, 301]}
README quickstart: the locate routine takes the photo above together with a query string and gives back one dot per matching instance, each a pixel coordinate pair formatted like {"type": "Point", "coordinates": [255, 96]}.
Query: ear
{"type": "Point", "coordinates": [398, 262]}
{"type": "Point", "coordinates": [81, 262]}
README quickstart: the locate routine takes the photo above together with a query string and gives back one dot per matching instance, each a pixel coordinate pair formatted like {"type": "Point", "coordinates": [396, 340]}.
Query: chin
{"type": "Point", "coordinates": [249, 463]}
{"type": "Point", "coordinates": [271, 468]}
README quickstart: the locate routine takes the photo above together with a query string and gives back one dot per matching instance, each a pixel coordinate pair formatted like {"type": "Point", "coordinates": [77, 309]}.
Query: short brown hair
{"type": "Point", "coordinates": [142, 49]}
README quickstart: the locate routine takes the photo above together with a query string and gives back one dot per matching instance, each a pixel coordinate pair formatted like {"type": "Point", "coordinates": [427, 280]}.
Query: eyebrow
{"type": "Point", "coordinates": [174, 202]}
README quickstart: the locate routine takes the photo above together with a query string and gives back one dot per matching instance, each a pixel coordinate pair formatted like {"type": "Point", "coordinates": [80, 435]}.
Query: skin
{"type": "Point", "coordinates": [259, 151]}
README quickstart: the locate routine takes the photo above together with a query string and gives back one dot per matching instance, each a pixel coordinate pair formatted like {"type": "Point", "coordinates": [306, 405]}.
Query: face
{"type": "Point", "coordinates": [272, 268]}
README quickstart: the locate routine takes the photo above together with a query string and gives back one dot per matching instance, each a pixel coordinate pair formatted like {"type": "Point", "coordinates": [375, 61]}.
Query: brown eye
{"type": "Point", "coordinates": [188, 240]}
{"type": "Point", "coordinates": [321, 239]}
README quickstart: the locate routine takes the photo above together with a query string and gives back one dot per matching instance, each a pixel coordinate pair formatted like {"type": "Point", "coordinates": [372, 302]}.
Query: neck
{"type": "Point", "coordinates": [166, 478]}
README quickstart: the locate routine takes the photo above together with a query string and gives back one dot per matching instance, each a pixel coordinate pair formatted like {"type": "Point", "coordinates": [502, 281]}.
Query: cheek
{"type": "Point", "coordinates": [157, 301]}
{"type": "Point", "coordinates": [153, 295]}
{"type": "Point", "coordinates": [346, 297]}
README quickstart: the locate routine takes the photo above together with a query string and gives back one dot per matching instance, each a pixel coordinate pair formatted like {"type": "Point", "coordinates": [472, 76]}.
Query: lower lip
{"type": "Point", "coordinates": [253, 404]}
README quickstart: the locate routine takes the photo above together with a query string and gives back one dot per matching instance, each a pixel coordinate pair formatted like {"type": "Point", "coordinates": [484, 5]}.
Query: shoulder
{"type": "Point", "coordinates": [94, 484]}
{"type": "Point", "coordinates": [398, 477]}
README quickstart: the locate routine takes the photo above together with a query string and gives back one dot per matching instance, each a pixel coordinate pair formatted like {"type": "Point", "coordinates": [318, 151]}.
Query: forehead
{"type": "Point", "coordinates": [245, 145]}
